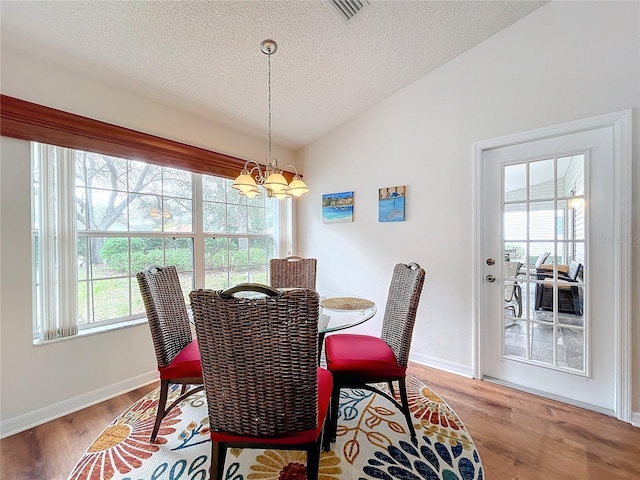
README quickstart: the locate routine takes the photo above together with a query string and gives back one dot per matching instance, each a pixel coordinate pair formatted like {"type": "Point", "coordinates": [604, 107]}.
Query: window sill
{"type": "Point", "coordinates": [93, 331]}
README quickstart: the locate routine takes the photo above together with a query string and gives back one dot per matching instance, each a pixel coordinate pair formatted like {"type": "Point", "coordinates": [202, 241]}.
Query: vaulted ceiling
{"type": "Point", "coordinates": [204, 57]}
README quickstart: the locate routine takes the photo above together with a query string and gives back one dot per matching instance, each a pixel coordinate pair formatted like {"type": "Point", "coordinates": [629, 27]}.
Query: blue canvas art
{"type": "Point", "coordinates": [391, 204]}
{"type": "Point", "coordinates": [337, 207]}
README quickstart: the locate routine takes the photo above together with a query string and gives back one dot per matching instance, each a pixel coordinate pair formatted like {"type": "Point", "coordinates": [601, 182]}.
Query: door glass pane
{"type": "Point", "coordinates": [569, 348]}
{"type": "Point", "coordinates": [562, 220]}
{"type": "Point", "coordinates": [515, 221]}
{"type": "Point", "coordinates": [512, 289]}
{"type": "Point", "coordinates": [515, 182]}
{"type": "Point", "coordinates": [577, 215]}
{"type": "Point", "coordinates": [515, 252]}
{"type": "Point", "coordinates": [542, 343]}
{"type": "Point", "coordinates": [542, 221]}
{"type": "Point", "coordinates": [515, 339]}
{"type": "Point", "coordinates": [540, 253]}
{"type": "Point", "coordinates": [571, 176]}
{"type": "Point", "coordinates": [543, 271]}
{"type": "Point", "coordinates": [541, 180]}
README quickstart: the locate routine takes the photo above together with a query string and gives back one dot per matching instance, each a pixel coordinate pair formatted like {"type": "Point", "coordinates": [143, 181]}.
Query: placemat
{"type": "Point", "coordinates": [346, 303]}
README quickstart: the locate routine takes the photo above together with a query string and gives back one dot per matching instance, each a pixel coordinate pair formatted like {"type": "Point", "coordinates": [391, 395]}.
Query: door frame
{"type": "Point", "coordinates": [621, 125]}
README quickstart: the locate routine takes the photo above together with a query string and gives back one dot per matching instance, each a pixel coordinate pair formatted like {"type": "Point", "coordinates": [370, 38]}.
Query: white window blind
{"type": "Point", "coordinates": [56, 270]}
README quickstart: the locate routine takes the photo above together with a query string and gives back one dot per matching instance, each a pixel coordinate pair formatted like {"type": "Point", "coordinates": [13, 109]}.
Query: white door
{"type": "Point", "coordinates": [551, 328]}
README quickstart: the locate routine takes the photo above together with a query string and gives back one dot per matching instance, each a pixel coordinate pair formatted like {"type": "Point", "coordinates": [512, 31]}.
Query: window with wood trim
{"type": "Point", "coordinates": [100, 219]}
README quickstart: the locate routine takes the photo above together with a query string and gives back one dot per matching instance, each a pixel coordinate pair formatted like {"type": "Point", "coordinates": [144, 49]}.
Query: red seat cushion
{"type": "Point", "coordinates": [325, 384]}
{"type": "Point", "coordinates": [361, 356]}
{"type": "Point", "coordinates": [185, 364]}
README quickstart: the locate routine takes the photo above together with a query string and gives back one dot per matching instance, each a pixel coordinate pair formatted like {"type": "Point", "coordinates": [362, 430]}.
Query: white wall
{"type": "Point", "coordinates": [40, 383]}
{"type": "Point", "coordinates": [564, 62]}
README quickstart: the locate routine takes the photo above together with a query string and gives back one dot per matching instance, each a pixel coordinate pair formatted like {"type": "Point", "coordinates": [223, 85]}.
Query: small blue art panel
{"type": "Point", "coordinates": [391, 204]}
{"type": "Point", "coordinates": [337, 207]}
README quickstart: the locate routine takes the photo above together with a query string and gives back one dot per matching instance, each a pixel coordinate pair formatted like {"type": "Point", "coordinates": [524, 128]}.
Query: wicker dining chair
{"type": "Point", "coordinates": [293, 272]}
{"type": "Point", "coordinates": [263, 385]}
{"type": "Point", "coordinates": [361, 361]}
{"type": "Point", "coordinates": [177, 352]}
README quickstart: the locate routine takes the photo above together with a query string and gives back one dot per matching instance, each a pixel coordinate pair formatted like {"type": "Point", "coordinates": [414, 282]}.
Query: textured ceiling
{"type": "Point", "coordinates": [205, 57]}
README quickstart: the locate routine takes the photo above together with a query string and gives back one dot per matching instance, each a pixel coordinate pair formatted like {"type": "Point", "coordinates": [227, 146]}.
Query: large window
{"type": "Point", "coordinates": [98, 220]}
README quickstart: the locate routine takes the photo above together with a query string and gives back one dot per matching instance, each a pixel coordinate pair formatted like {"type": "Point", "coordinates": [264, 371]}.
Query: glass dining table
{"type": "Point", "coordinates": [339, 311]}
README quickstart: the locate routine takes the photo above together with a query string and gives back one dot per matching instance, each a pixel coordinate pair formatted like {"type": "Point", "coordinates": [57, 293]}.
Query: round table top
{"type": "Point", "coordinates": [340, 310]}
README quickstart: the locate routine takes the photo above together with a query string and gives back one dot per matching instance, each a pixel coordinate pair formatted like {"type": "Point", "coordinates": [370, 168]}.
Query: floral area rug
{"type": "Point", "coordinates": [372, 443]}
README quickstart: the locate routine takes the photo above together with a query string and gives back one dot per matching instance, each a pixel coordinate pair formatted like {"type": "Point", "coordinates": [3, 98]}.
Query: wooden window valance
{"type": "Point", "coordinates": [33, 122]}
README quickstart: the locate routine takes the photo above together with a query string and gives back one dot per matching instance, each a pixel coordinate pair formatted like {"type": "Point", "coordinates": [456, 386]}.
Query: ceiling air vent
{"type": "Point", "coordinates": [346, 9]}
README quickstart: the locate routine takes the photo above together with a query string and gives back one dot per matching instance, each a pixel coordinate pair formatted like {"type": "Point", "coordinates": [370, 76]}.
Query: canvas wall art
{"type": "Point", "coordinates": [391, 202]}
{"type": "Point", "coordinates": [337, 207]}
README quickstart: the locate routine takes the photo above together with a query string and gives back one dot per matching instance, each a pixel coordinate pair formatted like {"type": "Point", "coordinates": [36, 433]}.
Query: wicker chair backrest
{"type": "Point", "coordinates": [400, 312]}
{"type": "Point", "coordinates": [293, 272]}
{"type": "Point", "coordinates": [166, 311]}
{"type": "Point", "coordinates": [259, 360]}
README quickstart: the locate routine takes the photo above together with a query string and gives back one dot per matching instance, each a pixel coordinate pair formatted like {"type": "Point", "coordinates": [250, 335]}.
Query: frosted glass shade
{"type": "Point", "coordinates": [244, 182]}
{"type": "Point", "coordinates": [297, 187]}
{"type": "Point", "coordinates": [276, 183]}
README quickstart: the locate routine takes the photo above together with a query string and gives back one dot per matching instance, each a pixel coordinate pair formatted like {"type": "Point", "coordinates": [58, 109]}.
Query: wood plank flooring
{"type": "Point", "coordinates": [519, 436]}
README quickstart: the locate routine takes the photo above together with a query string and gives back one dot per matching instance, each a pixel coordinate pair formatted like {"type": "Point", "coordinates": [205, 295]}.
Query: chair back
{"type": "Point", "coordinates": [510, 271]}
{"type": "Point", "coordinates": [541, 259]}
{"type": "Point", "coordinates": [293, 272]}
{"type": "Point", "coordinates": [402, 306]}
{"type": "Point", "coordinates": [259, 358]}
{"type": "Point", "coordinates": [574, 270]}
{"type": "Point", "coordinates": [166, 311]}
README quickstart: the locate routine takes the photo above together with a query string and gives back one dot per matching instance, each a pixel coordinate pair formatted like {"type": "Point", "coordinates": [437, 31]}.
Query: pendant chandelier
{"type": "Point", "coordinates": [270, 178]}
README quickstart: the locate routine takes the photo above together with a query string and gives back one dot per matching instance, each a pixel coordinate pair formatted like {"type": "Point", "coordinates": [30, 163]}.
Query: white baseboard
{"type": "Point", "coordinates": [635, 419]}
{"type": "Point", "coordinates": [46, 414]}
{"type": "Point", "coordinates": [451, 367]}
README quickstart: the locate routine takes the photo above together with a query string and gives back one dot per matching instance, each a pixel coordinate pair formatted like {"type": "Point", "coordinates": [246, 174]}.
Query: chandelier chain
{"type": "Point", "coordinates": [269, 57]}
{"type": "Point", "coordinates": [271, 178]}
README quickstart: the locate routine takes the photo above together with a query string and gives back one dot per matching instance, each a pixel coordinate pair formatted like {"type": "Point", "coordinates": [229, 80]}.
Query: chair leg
{"type": "Point", "coordinates": [333, 416]}
{"type": "Point", "coordinates": [518, 295]}
{"type": "Point", "coordinates": [402, 386]}
{"type": "Point", "coordinates": [162, 403]}
{"type": "Point", "coordinates": [576, 301]}
{"type": "Point", "coordinates": [313, 460]}
{"type": "Point", "coordinates": [326, 434]}
{"type": "Point", "coordinates": [218, 456]}
{"type": "Point", "coordinates": [393, 392]}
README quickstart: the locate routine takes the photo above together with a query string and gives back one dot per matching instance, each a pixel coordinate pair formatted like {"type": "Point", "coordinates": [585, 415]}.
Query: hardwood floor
{"type": "Point", "coordinates": [49, 451]}
{"type": "Point", "coordinates": [519, 436]}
